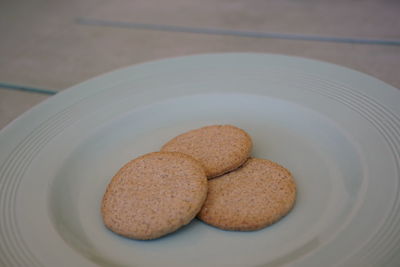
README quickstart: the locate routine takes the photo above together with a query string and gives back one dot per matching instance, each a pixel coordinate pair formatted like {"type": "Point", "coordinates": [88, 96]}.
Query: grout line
{"type": "Point", "coordinates": [172, 28]}
{"type": "Point", "coordinates": [27, 89]}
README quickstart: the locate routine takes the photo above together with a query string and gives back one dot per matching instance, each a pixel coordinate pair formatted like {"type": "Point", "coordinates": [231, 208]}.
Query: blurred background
{"type": "Point", "coordinates": [47, 46]}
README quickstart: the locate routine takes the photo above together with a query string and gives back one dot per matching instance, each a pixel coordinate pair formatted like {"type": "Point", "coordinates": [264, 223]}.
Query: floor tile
{"type": "Point", "coordinates": [43, 46]}
{"type": "Point", "coordinates": [25, 26]}
{"type": "Point", "coordinates": [368, 18]}
{"type": "Point", "coordinates": [54, 52]}
{"type": "Point", "coordinates": [82, 52]}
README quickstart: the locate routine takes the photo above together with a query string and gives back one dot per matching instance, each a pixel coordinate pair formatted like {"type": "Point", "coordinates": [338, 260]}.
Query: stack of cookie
{"type": "Point", "coordinates": [208, 173]}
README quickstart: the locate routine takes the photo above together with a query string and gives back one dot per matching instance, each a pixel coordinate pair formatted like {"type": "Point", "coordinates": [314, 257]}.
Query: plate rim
{"type": "Point", "coordinates": [75, 91]}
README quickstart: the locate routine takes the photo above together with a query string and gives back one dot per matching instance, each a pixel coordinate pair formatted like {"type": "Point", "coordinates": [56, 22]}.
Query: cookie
{"type": "Point", "coordinates": [154, 195]}
{"type": "Point", "coordinates": [220, 148]}
{"type": "Point", "coordinates": [250, 198]}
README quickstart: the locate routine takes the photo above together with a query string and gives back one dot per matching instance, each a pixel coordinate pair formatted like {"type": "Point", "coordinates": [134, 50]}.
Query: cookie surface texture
{"type": "Point", "coordinates": [220, 148]}
{"type": "Point", "coordinates": [250, 198]}
{"type": "Point", "coordinates": [154, 195]}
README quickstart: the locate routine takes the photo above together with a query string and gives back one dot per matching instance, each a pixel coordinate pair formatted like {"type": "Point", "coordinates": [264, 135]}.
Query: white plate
{"type": "Point", "coordinates": [337, 130]}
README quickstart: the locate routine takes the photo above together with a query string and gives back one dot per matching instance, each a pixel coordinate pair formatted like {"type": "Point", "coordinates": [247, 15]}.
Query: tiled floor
{"type": "Point", "coordinates": [45, 44]}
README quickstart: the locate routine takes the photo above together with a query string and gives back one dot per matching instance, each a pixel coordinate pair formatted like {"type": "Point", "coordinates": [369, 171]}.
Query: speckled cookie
{"type": "Point", "coordinates": [250, 198]}
{"type": "Point", "coordinates": [220, 148]}
{"type": "Point", "coordinates": [154, 195]}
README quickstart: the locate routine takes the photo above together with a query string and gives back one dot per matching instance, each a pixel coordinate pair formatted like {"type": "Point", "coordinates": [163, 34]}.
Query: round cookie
{"type": "Point", "coordinates": [220, 148]}
{"type": "Point", "coordinates": [154, 195]}
{"type": "Point", "coordinates": [250, 198]}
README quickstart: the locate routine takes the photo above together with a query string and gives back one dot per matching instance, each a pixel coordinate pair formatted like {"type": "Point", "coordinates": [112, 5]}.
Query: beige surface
{"type": "Point", "coordinates": [366, 18]}
{"type": "Point", "coordinates": [43, 45]}
{"type": "Point", "coordinates": [14, 103]}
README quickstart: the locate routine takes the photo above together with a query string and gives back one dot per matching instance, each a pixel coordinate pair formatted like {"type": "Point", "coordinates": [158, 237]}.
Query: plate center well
{"type": "Point", "coordinates": [322, 159]}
